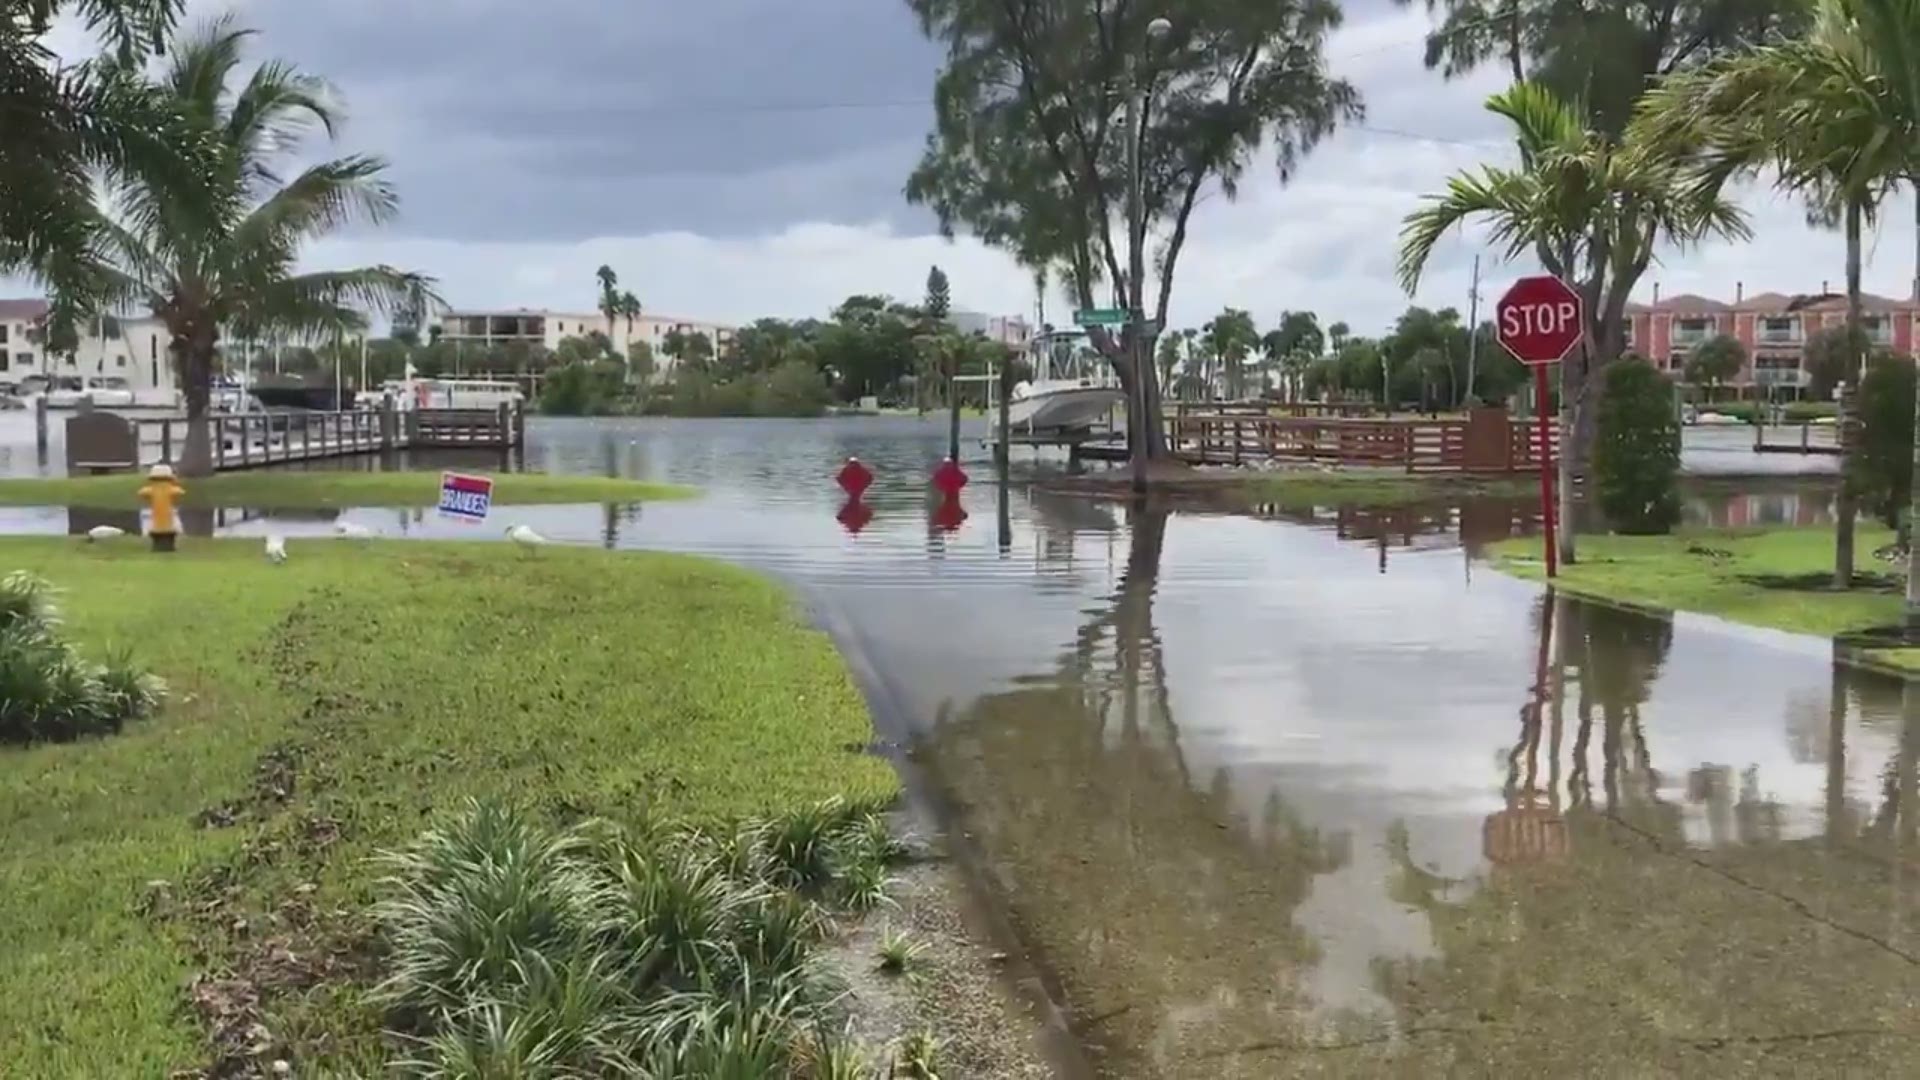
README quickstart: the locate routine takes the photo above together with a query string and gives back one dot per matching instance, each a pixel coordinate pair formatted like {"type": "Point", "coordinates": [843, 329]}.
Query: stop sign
{"type": "Point", "coordinates": [1539, 319]}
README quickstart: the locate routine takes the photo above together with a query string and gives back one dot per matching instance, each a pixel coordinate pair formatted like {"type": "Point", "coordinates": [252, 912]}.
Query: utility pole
{"type": "Point", "coordinates": [1473, 328]}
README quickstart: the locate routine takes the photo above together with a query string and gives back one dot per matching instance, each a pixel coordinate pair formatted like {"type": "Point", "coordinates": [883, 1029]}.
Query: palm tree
{"type": "Point", "coordinates": [1836, 114]}
{"type": "Point", "coordinates": [214, 251]}
{"type": "Point", "coordinates": [609, 295]}
{"type": "Point", "coordinates": [64, 121]}
{"type": "Point", "coordinates": [1591, 210]}
{"type": "Point", "coordinates": [629, 307]}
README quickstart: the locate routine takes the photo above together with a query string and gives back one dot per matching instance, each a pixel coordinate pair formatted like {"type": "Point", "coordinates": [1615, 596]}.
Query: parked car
{"type": "Point", "coordinates": [107, 391]}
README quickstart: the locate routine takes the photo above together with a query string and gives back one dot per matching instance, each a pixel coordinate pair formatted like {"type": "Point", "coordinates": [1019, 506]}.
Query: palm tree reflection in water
{"type": "Point", "coordinates": [1167, 908]}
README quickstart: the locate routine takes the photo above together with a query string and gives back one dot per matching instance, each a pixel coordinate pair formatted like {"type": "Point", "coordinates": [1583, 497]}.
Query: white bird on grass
{"type": "Point", "coordinates": [104, 532]}
{"type": "Point", "coordinates": [276, 548]}
{"type": "Point", "coordinates": [352, 530]}
{"type": "Point", "coordinates": [524, 536]}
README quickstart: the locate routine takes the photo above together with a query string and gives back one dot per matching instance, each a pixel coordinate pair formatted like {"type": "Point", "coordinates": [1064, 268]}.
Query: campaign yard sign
{"type": "Point", "coordinates": [465, 498]}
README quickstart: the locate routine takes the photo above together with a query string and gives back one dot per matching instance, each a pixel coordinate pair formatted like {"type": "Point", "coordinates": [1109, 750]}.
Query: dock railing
{"type": "Point", "coordinates": [250, 440]}
{"type": "Point", "coordinates": [1484, 441]}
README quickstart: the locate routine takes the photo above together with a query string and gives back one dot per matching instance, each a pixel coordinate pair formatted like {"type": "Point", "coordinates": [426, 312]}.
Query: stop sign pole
{"type": "Point", "coordinates": [1539, 320]}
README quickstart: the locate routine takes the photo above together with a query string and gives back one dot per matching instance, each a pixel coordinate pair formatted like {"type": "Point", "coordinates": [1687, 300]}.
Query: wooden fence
{"type": "Point", "coordinates": [1488, 441]}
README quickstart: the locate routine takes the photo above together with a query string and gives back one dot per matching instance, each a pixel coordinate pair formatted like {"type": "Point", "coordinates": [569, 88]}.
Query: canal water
{"type": "Point", "coordinates": [1319, 793]}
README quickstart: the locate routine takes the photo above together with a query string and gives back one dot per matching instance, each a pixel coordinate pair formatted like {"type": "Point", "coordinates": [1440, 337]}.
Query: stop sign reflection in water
{"type": "Point", "coordinates": [854, 516]}
{"type": "Point", "coordinates": [1538, 319]}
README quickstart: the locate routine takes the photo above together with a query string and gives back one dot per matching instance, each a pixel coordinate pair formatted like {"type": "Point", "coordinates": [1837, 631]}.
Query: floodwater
{"type": "Point", "coordinates": [1319, 793]}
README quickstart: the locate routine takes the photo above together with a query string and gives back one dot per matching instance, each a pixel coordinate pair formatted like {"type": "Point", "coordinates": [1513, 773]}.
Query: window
{"type": "Point", "coordinates": [3, 361]}
{"type": "Point", "coordinates": [120, 361]}
{"type": "Point", "coordinates": [563, 326]}
{"type": "Point", "coordinates": [3, 333]}
{"type": "Point", "coordinates": [24, 359]}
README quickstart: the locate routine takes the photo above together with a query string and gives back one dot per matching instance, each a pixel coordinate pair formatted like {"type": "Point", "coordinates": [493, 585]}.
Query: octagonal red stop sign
{"type": "Point", "coordinates": [1539, 319]}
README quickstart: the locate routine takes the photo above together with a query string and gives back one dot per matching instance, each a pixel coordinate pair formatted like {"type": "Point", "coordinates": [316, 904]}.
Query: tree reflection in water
{"type": "Point", "coordinates": [1165, 908]}
{"type": "Point", "coordinates": [1652, 947]}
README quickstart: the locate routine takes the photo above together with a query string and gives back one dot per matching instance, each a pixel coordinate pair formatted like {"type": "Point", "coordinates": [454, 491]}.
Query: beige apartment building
{"type": "Point", "coordinates": [545, 329]}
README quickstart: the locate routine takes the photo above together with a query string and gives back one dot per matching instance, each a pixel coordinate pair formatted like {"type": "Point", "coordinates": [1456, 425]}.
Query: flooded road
{"type": "Point", "coordinates": [1317, 793]}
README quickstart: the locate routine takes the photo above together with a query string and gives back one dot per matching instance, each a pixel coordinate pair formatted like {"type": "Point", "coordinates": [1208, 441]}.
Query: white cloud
{"type": "Point", "coordinates": [1326, 242]}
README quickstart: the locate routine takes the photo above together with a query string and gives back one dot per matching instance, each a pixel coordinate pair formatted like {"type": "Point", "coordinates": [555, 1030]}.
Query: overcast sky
{"type": "Point", "coordinates": [738, 158]}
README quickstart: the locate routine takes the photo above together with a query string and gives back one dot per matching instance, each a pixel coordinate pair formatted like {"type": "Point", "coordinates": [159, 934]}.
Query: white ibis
{"type": "Point", "coordinates": [352, 530]}
{"type": "Point", "coordinates": [103, 532]}
{"type": "Point", "coordinates": [524, 536]}
{"type": "Point", "coordinates": [276, 548]}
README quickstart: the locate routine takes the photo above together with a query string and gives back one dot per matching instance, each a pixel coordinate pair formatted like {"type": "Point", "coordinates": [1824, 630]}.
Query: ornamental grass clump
{"type": "Point", "coordinates": [518, 949]}
{"type": "Point", "coordinates": [48, 691]}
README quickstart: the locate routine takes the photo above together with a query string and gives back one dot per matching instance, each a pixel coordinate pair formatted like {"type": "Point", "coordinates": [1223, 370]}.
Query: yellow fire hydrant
{"type": "Point", "coordinates": [160, 492]}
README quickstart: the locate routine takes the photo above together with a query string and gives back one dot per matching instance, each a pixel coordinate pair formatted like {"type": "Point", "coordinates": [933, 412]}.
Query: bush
{"type": "Point", "coordinates": [582, 389]}
{"type": "Point", "coordinates": [520, 950]}
{"type": "Point", "coordinates": [48, 692]}
{"type": "Point", "coordinates": [1799, 412]}
{"type": "Point", "coordinates": [1636, 458]}
{"type": "Point", "coordinates": [1882, 471]}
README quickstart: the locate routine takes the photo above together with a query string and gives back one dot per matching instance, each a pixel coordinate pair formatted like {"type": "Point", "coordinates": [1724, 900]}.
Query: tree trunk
{"type": "Point", "coordinates": [1844, 505]}
{"type": "Point", "coordinates": [193, 356]}
{"type": "Point", "coordinates": [1913, 515]}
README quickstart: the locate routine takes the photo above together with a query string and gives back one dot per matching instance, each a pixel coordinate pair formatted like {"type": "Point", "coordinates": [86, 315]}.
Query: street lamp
{"type": "Point", "coordinates": [1136, 260]}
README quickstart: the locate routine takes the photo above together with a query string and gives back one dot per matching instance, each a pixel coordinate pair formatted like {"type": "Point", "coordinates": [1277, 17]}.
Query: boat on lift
{"type": "Point", "coordinates": [1072, 388]}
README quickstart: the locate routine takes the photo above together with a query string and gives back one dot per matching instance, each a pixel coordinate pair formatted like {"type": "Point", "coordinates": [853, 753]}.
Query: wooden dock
{"type": "Point", "coordinates": [99, 442]}
{"type": "Point", "coordinates": [1804, 444]}
{"type": "Point", "coordinates": [1486, 441]}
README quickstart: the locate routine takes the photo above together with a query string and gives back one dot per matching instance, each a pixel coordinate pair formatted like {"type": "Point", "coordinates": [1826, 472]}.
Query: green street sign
{"type": "Point", "coordinates": [1105, 316]}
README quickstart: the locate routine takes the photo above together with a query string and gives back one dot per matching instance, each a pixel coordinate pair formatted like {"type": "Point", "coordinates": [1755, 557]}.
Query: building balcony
{"type": "Point", "coordinates": [1684, 336]}
{"type": "Point", "coordinates": [1782, 376]}
{"type": "Point", "coordinates": [1790, 336]}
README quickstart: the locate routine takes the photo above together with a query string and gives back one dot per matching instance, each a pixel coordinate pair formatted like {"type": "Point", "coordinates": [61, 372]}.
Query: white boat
{"type": "Point", "coordinates": [1061, 404]}
{"type": "Point", "coordinates": [409, 394]}
{"type": "Point", "coordinates": [107, 391]}
{"type": "Point", "coordinates": [1076, 401]}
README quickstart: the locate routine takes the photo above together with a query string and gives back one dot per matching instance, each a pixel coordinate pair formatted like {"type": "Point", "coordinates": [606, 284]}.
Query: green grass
{"type": "Point", "coordinates": [1309, 489]}
{"type": "Point", "coordinates": [328, 488]}
{"type": "Point", "coordinates": [1706, 571]}
{"type": "Point", "coordinates": [387, 682]}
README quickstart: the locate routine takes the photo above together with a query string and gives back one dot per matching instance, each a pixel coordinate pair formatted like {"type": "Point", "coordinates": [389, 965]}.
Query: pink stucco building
{"type": "Point", "coordinates": [1773, 326]}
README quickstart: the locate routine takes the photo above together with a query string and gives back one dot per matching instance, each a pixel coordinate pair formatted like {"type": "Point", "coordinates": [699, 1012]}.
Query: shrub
{"type": "Point", "coordinates": [1636, 458]}
{"type": "Point", "coordinates": [48, 692]}
{"type": "Point", "coordinates": [1882, 470]}
{"type": "Point", "coordinates": [518, 950]}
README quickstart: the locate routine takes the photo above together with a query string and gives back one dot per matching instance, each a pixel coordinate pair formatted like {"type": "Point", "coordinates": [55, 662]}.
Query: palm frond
{"type": "Point", "coordinates": [1542, 121]}
{"type": "Point", "coordinates": [273, 113]}
{"type": "Point", "coordinates": [325, 197]}
{"type": "Point", "coordinates": [1506, 196]}
{"type": "Point", "coordinates": [201, 65]}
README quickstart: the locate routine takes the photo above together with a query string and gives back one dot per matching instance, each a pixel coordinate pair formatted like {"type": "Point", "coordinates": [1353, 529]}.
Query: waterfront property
{"type": "Point", "coordinates": [544, 330]}
{"type": "Point", "coordinates": [132, 348]}
{"type": "Point", "coordinates": [1773, 327]}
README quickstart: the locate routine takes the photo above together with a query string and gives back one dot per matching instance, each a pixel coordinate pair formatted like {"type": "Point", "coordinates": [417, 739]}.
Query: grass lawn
{"type": "Point", "coordinates": [328, 488]}
{"type": "Point", "coordinates": [1709, 571]}
{"type": "Point", "coordinates": [320, 712]}
{"type": "Point", "coordinates": [1307, 489]}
